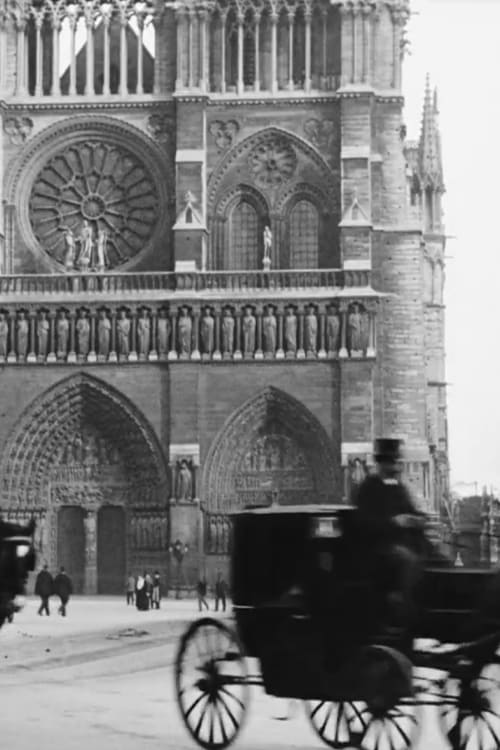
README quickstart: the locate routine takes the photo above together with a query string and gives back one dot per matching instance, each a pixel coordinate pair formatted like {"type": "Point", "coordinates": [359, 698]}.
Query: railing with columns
{"type": "Point", "coordinates": [222, 330]}
{"type": "Point", "coordinates": [19, 286]}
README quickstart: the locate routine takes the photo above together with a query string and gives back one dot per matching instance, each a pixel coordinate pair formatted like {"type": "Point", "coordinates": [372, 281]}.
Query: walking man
{"type": "Point", "coordinates": [44, 588]}
{"type": "Point", "coordinates": [156, 593]}
{"type": "Point", "coordinates": [201, 590]}
{"type": "Point", "coordinates": [63, 588]}
{"type": "Point", "coordinates": [220, 592]}
{"type": "Point", "coordinates": [130, 588]}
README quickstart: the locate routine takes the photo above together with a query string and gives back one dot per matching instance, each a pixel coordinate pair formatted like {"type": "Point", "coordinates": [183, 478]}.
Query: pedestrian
{"type": "Point", "coordinates": [148, 580]}
{"type": "Point", "coordinates": [201, 590]}
{"type": "Point", "coordinates": [130, 588]}
{"type": "Point", "coordinates": [220, 592]}
{"type": "Point", "coordinates": [63, 588]}
{"type": "Point", "coordinates": [156, 593]}
{"type": "Point", "coordinates": [141, 595]}
{"type": "Point", "coordinates": [44, 588]}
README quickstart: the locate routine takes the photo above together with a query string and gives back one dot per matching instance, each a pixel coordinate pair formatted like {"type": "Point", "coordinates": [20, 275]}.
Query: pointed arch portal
{"type": "Point", "coordinates": [86, 463]}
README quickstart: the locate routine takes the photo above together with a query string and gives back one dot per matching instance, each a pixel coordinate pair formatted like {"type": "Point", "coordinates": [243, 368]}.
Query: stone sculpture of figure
{"type": "Point", "coordinates": [162, 334]}
{"type": "Point", "coordinates": [42, 334]}
{"type": "Point", "coordinates": [103, 333]}
{"type": "Point", "coordinates": [102, 451]}
{"type": "Point", "coordinates": [83, 333]}
{"type": "Point", "coordinates": [70, 250]}
{"type": "Point", "coordinates": [86, 244]}
{"type": "Point", "coordinates": [357, 471]}
{"type": "Point", "coordinates": [311, 330]}
{"type": "Point", "coordinates": [4, 332]}
{"type": "Point", "coordinates": [207, 332]}
{"type": "Point", "coordinates": [62, 335]}
{"type": "Point", "coordinates": [78, 450]}
{"type": "Point", "coordinates": [212, 534]}
{"type": "Point", "coordinates": [184, 330]}
{"type": "Point", "coordinates": [227, 332]}
{"type": "Point", "coordinates": [291, 331]}
{"type": "Point", "coordinates": [248, 325]}
{"type": "Point", "coordinates": [22, 329]}
{"type": "Point", "coordinates": [144, 334]}
{"type": "Point", "coordinates": [102, 253]}
{"type": "Point", "coordinates": [332, 330]}
{"type": "Point", "coordinates": [123, 331]}
{"type": "Point", "coordinates": [269, 331]}
{"type": "Point", "coordinates": [354, 328]}
{"type": "Point", "coordinates": [89, 451]}
{"type": "Point", "coordinates": [268, 242]}
{"type": "Point", "coordinates": [184, 482]}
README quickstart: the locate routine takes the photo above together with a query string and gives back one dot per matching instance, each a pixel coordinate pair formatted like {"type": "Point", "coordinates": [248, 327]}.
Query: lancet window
{"type": "Point", "coordinates": [303, 223]}
{"type": "Point", "coordinates": [244, 245]}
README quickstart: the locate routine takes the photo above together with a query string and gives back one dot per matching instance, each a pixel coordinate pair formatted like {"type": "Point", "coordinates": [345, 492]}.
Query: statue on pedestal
{"type": "Point", "coordinates": [86, 245]}
{"type": "Point", "coordinates": [227, 332]}
{"type": "Point", "coordinates": [269, 331]}
{"type": "Point", "coordinates": [332, 330]}
{"type": "Point", "coordinates": [311, 330]}
{"type": "Point", "coordinates": [354, 327]}
{"type": "Point", "coordinates": [70, 250]}
{"type": "Point", "coordinates": [184, 330]}
{"type": "Point", "coordinates": [207, 332]}
{"type": "Point", "coordinates": [291, 331]}
{"type": "Point", "coordinates": [42, 334]}
{"type": "Point", "coordinates": [22, 329]}
{"type": "Point", "coordinates": [163, 332]}
{"type": "Point", "coordinates": [144, 334]}
{"type": "Point", "coordinates": [123, 330]}
{"type": "Point", "coordinates": [83, 333]}
{"type": "Point", "coordinates": [103, 333]}
{"type": "Point", "coordinates": [62, 335]}
{"type": "Point", "coordinates": [268, 246]}
{"type": "Point", "coordinates": [248, 324]}
{"type": "Point", "coordinates": [102, 253]}
{"type": "Point", "coordinates": [184, 482]}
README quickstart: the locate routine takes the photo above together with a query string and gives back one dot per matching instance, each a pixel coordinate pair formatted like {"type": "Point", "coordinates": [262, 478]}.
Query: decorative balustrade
{"type": "Point", "coordinates": [218, 331]}
{"type": "Point", "coordinates": [13, 287]}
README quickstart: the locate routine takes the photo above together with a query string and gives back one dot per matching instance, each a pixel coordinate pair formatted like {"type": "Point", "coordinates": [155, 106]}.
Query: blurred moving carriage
{"type": "Point", "coordinates": [17, 559]}
{"type": "Point", "coordinates": [309, 622]}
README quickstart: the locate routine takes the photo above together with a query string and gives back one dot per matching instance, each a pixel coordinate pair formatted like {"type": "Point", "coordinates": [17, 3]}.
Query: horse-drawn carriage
{"type": "Point", "coordinates": [310, 616]}
{"type": "Point", "coordinates": [17, 559]}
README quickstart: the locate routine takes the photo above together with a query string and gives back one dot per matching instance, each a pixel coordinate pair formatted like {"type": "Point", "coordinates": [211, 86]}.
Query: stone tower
{"type": "Point", "coordinates": [221, 270]}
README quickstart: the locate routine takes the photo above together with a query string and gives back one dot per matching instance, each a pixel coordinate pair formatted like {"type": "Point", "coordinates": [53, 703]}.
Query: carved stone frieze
{"type": "Point", "coordinates": [161, 127]}
{"type": "Point", "coordinates": [18, 129]}
{"type": "Point", "coordinates": [322, 134]}
{"type": "Point", "coordinates": [224, 133]}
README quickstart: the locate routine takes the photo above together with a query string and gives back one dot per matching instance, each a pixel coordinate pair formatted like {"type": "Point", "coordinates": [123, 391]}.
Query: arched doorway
{"type": "Point", "coordinates": [271, 450]}
{"type": "Point", "coordinates": [83, 446]}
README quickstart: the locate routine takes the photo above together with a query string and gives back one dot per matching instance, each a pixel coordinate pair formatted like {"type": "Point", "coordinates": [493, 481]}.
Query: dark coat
{"type": "Point", "coordinates": [44, 585]}
{"type": "Point", "coordinates": [63, 586]}
{"type": "Point", "coordinates": [378, 502]}
{"type": "Point", "coordinates": [201, 588]}
{"type": "Point", "coordinates": [220, 588]}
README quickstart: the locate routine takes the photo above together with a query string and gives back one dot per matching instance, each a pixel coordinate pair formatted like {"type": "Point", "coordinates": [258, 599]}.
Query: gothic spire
{"type": "Point", "coordinates": [431, 165]}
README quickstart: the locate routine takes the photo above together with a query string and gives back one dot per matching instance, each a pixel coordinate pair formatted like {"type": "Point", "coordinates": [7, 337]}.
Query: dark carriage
{"type": "Point", "coordinates": [17, 560]}
{"type": "Point", "coordinates": [310, 623]}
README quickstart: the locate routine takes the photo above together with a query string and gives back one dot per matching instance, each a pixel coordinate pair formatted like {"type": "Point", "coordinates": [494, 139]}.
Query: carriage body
{"type": "Point", "coordinates": [307, 608]}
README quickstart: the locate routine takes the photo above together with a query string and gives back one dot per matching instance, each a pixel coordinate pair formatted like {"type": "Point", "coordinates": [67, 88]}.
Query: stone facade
{"type": "Point", "coordinates": [221, 272]}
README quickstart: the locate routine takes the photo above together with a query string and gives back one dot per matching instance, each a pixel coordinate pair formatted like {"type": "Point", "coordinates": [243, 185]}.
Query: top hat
{"type": "Point", "coordinates": [387, 449]}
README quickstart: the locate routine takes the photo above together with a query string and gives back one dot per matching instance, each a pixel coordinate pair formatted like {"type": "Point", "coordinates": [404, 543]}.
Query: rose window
{"type": "Point", "coordinates": [272, 162]}
{"type": "Point", "coordinates": [98, 184]}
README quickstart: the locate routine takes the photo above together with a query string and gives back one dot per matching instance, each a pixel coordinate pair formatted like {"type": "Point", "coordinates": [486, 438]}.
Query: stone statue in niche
{"type": "Point", "coordinates": [311, 330]}
{"type": "Point", "coordinates": [77, 449]}
{"type": "Point", "coordinates": [102, 451]}
{"type": "Point", "coordinates": [22, 329]}
{"type": "Point", "coordinates": [70, 250]}
{"type": "Point", "coordinates": [332, 330]}
{"type": "Point", "coordinates": [86, 246]}
{"type": "Point", "coordinates": [4, 332]}
{"type": "Point", "coordinates": [144, 334]}
{"type": "Point", "coordinates": [365, 331]}
{"type": "Point", "coordinates": [269, 331]}
{"type": "Point", "coordinates": [184, 482]}
{"type": "Point", "coordinates": [163, 332]}
{"type": "Point", "coordinates": [248, 325]}
{"type": "Point", "coordinates": [123, 331]}
{"type": "Point", "coordinates": [184, 330]}
{"type": "Point", "coordinates": [101, 248]}
{"type": "Point", "coordinates": [354, 330]}
{"type": "Point", "coordinates": [357, 471]}
{"type": "Point", "coordinates": [103, 333]}
{"type": "Point", "coordinates": [207, 332]}
{"type": "Point", "coordinates": [89, 450]}
{"type": "Point", "coordinates": [227, 332]}
{"type": "Point", "coordinates": [83, 334]}
{"type": "Point", "coordinates": [268, 246]}
{"type": "Point", "coordinates": [290, 331]}
{"type": "Point", "coordinates": [62, 335]}
{"type": "Point", "coordinates": [42, 334]}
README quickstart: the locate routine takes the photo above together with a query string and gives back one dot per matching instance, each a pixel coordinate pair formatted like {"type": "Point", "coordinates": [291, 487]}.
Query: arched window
{"type": "Point", "coordinates": [244, 238]}
{"type": "Point", "coordinates": [231, 49]}
{"type": "Point", "coordinates": [304, 235]}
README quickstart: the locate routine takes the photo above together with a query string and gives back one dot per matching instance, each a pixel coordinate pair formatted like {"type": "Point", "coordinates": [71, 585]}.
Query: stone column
{"type": "Point", "coordinates": [31, 347]}
{"type": "Point", "coordinates": [343, 353]}
{"type": "Point", "coordinates": [20, 57]}
{"type": "Point", "coordinates": [217, 352]}
{"type": "Point", "coordinates": [123, 52]}
{"type": "Point", "coordinates": [180, 15]}
{"type": "Point", "coordinates": [55, 88]}
{"type": "Point", "coordinates": [256, 83]}
{"type": "Point", "coordinates": [140, 56]}
{"type": "Point", "coordinates": [191, 17]}
{"type": "Point", "coordinates": [90, 524]}
{"type": "Point", "coordinates": [367, 44]}
{"type": "Point", "coordinates": [204, 64]}
{"type": "Point", "coordinates": [89, 56]}
{"type": "Point", "coordinates": [240, 83]}
{"type": "Point", "coordinates": [72, 352]}
{"type": "Point", "coordinates": [52, 347]}
{"type": "Point", "coordinates": [106, 19]}
{"type": "Point", "coordinates": [357, 49]}
{"type": "Point", "coordinates": [91, 357]}
{"type": "Point", "coordinates": [73, 20]}
{"type": "Point", "coordinates": [223, 17]}
{"type": "Point", "coordinates": [324, 17]}
{"type": "Point", "coordinates": [38, 15]}
{"type": "Point", "coordinates": [195, 352]}
{"type": "Point", "coordinates": [307, 32]}
{"type": "Point", "coordinates": [291, 19]}
{"type": "Point", "coordinates": [274, 51]}
{"type": "Point", "coordinates": [259, 354]}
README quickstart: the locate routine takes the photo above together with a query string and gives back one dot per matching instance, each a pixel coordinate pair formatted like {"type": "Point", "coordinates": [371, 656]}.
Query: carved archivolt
{"type": "Point", "coordinates": [272, 433]}
{"type": "Point", "coordinates": [272, 158]}
{"type": "Point", "coordinates": [83, 427]}
{"type": "Point", "coordinates": [237, 193]}
{"type": "Point", "coordinates": [95, 168]}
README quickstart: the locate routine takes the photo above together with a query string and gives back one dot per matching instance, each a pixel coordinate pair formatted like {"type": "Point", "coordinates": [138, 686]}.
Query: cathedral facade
{"type": "Point", "coordinates": [221, 271]}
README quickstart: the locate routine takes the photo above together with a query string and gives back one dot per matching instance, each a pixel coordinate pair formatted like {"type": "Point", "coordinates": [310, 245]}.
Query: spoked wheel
{"type": "Point", "coordinates": [339, 725]}
{"type": "Point", "coordinates": [369, 727]}
{"type": "Point", "coordinates": [470, 714]}
{"type": "Point", "coordinates": [210, 681]}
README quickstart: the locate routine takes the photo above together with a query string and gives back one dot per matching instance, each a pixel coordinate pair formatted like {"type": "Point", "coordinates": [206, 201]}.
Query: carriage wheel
{"type": "Point", "coordinates": [339, 725]}
{"type": "Point", "coordinates": [210, 682]}
{"type": "Point", "coordinates": [359, 725]}
{"type": "Point", "coordinates": [470, 714]}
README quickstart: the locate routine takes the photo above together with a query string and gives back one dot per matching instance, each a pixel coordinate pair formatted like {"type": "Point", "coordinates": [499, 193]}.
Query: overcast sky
{"type": "Point", "coordinates": [456, 41]}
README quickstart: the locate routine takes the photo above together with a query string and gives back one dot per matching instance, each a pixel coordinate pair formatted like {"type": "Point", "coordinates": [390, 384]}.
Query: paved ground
{"type": "Point", "coordinates": [106, 683]}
